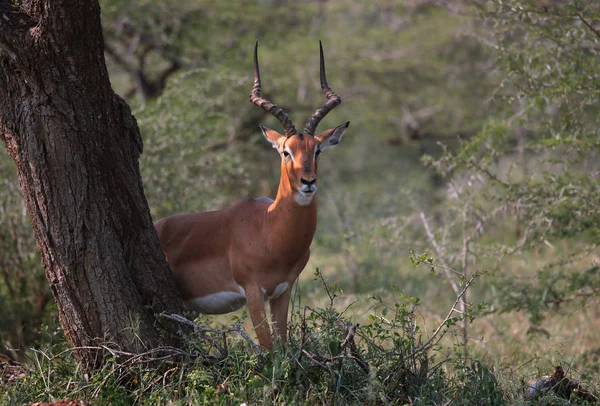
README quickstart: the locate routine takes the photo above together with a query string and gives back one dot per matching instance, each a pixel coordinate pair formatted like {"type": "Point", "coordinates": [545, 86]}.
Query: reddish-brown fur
{"type": "Point", "coordinates": [254, 244]}
{"type": "Point", "coordinates": [255, 250]}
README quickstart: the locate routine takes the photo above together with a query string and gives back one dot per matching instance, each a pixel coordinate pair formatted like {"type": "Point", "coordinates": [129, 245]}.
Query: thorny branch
{"type": "Point", "coordinates": [439, 253]}
{"type": "Point", "coordinates": [434, 339]}
{"type": "Point", "coordinates": [349, 346]}
{"type": "Point", "coordinates": [407, 367]}
{"type": "Point", "coordinates": [588, 24]}
{"type": "Point", "coordinates": [236, 328]}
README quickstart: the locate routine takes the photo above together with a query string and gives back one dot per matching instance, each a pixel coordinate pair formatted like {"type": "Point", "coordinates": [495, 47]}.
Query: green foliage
{"type": "Point", "coordinates": [24, 294]}
{"type": "Point", "coordinates": [500, 95]}
{"type": "Point", "coordinates": [535, 165]}
{"type": "Point", "coordinates": [477, 385]}
{"type": "Point", "coordinates": [186, 163]}
{"type": "Point", "coordinates": [327, 360]}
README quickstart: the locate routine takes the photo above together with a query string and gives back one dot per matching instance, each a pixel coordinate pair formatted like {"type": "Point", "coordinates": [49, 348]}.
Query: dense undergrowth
{"type": "Point", "coordinates": [474, 138]}
{"type": "Point", "coordinates": [327, 360]}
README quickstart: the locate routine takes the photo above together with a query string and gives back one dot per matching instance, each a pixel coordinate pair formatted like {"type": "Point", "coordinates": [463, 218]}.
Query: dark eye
{"type": "Point", "coordinates": [286, 154]}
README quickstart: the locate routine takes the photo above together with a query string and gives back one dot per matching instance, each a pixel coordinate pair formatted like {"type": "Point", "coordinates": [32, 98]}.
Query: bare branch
{"type": "Point", "coordinates": [166, 50]}
{"type": "Point", "coordinates": [464, 263]}
{"type": "Point", "coordinates": [350, 346]}
{"type": "Point", "coordinates": [439, 253]}
{"type": "Point", "coordinates": [236, 328]}
{"type": "Point", "coordinates": [432, 340]}
{"type": "Point", "coordinates": [587, 24]}
{"type": "Point", "coordinates": [119, 59]}
{"type": "Point", "coordinates": [486, 172]}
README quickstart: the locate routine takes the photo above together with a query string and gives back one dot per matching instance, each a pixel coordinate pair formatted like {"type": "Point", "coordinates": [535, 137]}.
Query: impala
{"type": "Point", "coordinates": [254, 251]}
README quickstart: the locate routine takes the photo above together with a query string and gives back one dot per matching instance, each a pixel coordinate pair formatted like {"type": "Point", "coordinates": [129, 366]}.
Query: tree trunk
{"type": "Point", "coordinates": [76, 146]}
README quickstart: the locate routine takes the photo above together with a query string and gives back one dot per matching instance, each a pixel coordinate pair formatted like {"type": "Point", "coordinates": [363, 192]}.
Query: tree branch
{"type": "Point", "coordinates": [144, 85]}
{"type": "Point", "coordinates": [236, 328]}
{"type": "Point", "coordinates": [168, 51]}
{"type": "Point", "coordinates": [115, 56]}
{"type": "Point", "coordinates": [587, 24]}
{"type": "Point", "coordinates": [439, 253]}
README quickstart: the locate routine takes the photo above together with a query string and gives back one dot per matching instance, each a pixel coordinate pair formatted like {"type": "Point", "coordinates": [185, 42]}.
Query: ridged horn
{"type": "Point", "coordinates": [332, 99]}
{"type": "Point", "coordinates": [255, 98]}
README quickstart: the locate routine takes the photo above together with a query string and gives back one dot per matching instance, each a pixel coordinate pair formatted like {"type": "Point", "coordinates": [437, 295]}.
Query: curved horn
{"type": "Point", "coordinates": [255, 98]}
{"type": "Point", "coordinates": [332, 100]}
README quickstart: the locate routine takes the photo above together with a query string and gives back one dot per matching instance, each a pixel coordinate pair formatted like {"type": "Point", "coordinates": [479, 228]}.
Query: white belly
{"type": "Point", "coordinates": [279, 289]}
{"type": "Point", "coordinates": [217, 303]}
{"type": "Point", "coordinates": [228, 301]}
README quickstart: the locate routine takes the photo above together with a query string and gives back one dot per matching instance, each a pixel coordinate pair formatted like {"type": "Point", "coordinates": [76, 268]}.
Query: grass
{"type": "Point", "coordinates": [366, 256]}
{"type": "Point", "coordinates": [329, 359]}
{"type": "Point", "coordinates": [503, 354]}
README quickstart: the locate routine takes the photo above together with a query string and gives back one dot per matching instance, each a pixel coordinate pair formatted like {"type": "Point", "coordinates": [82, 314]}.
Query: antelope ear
{"type": "Point", "coordinates": [272, 136]}
{"type": "Point", "coordinates": [332, 137]}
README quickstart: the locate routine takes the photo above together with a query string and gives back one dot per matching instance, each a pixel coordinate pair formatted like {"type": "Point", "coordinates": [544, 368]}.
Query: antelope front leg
{"type": "Point", "coordinates": [256, 306]}
{"type": "Point", "coordinates": [279, 313]}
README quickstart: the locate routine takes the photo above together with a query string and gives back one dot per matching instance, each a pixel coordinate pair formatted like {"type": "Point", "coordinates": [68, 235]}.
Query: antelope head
{"type": "Point", "coordinates": [299, 151]}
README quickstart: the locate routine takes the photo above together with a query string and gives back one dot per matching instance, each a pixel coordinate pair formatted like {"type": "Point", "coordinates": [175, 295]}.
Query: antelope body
{"type": "Point", "coordinates": [253, 252]}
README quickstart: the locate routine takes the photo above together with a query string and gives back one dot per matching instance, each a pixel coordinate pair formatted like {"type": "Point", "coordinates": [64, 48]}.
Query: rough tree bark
{"type": "Point", "coordinates": [76, 145]}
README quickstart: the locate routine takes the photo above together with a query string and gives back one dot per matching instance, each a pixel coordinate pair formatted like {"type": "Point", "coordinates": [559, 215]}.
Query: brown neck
{"type": "Point", "coordinates": [291, 225]}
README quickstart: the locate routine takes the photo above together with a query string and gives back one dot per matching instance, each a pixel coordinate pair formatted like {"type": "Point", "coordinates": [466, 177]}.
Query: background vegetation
{"type": "Point", "coordinates": [473, 141]}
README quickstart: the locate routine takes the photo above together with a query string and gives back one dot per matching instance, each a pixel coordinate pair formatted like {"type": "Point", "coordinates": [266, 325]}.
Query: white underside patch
{"type": "Point", "coordinates": [303, 199]}
{"type": "Point", "coordinates": [218, 303]}
{"type": "Point", "coordinates": [229, 301]}
{"type": "Point", "coordinates": [279, 289]}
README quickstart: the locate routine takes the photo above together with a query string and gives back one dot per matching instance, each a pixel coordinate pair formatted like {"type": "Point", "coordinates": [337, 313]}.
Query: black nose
{"type": "Point", "coordinates": [308, 182]}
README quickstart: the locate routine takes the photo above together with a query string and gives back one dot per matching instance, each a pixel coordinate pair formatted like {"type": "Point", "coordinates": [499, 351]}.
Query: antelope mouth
{"type": "Point", "coordinates": [304, 198]}
{"type": "Point", "coordinates": [307, 190]}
